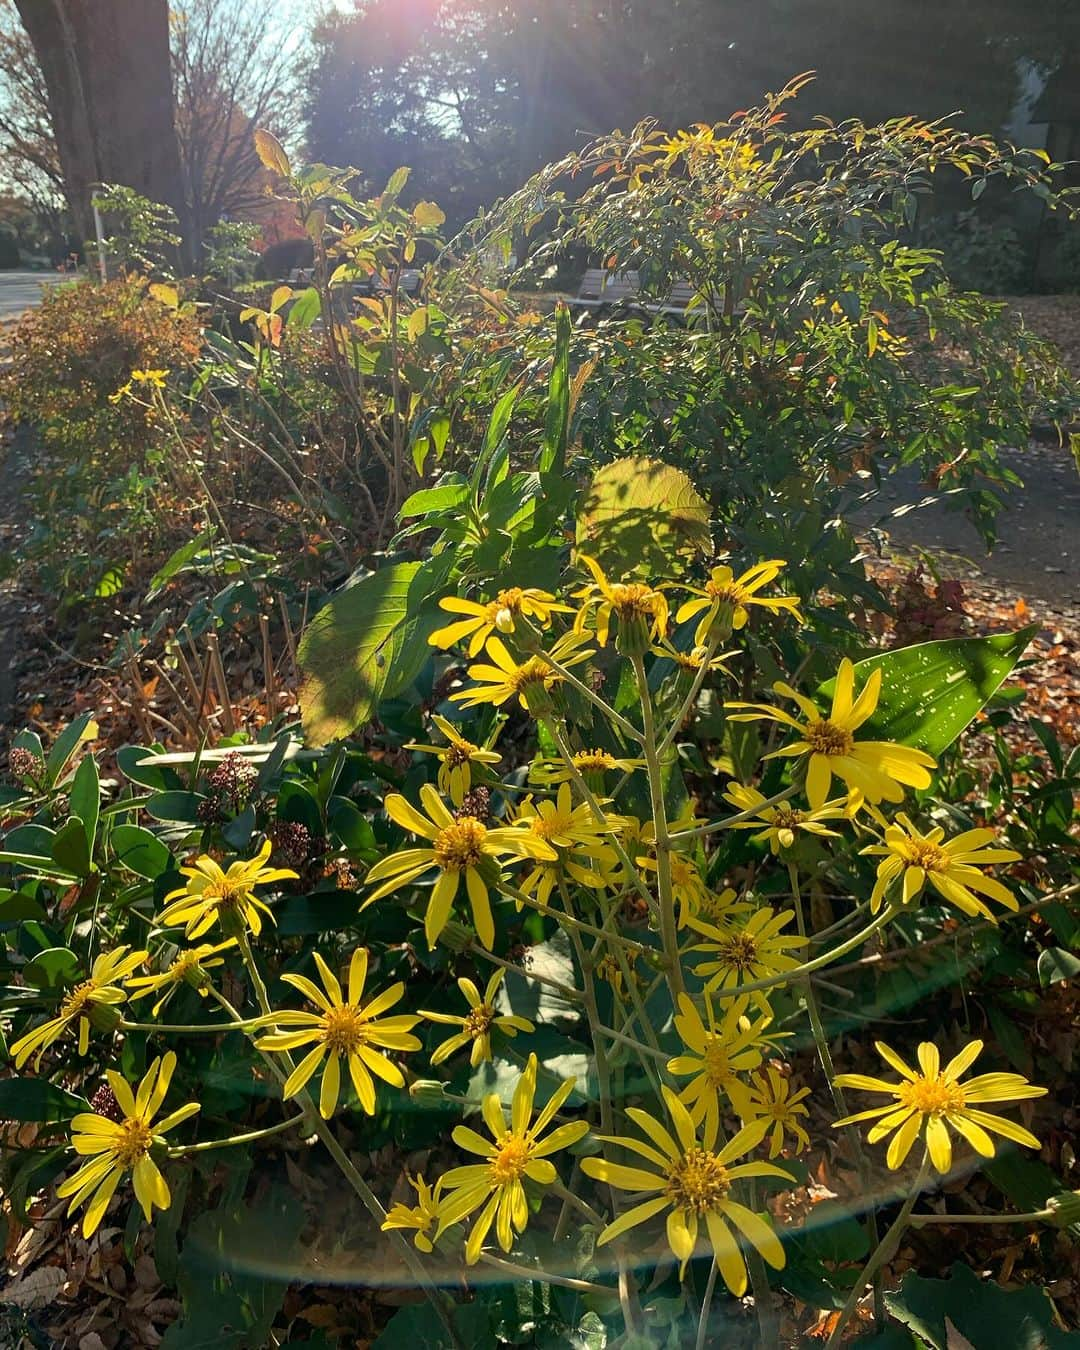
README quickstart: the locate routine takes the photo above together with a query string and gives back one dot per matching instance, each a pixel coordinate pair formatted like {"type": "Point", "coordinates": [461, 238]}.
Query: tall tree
{"type": "Point", "coordinates": [105, 64]}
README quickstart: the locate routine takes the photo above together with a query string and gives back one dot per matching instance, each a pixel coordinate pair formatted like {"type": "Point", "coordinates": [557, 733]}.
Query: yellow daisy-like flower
{"type": "Point", "coordinates": [717, 1053]}
{"type": "Point", "coordinates": [515, 1151]}
{"type": "Point", "coordinates": [591, 764]}
{"type": "Point", "coordinates": [772, 1099]}
{"type": "Point", "coordinates": [578, 838]}
{"type": "Point", "coordinates": [728, 598]}
{"type": "Point", "coordinates": [642, 610]}
{"type": "Point", "coordinates": [692, 661]}
{"type": "Point", "coordinates": [783, 822]}
{"type": "Point", "coordinates": [349, 1030]}
{"type": "Point", "coordinates": [880, 770]}
{"type": "Point", "coordinates": [694, 1180]}
{"type": "Point", "coordinates": [456, 759]}
{"type": "Point", "coordinates": [688, 887]}
{"type": "Point", "coordinates": [93, 995]}
{"type": "Point", "coordinates": [420, 1219]}
{"type": "Point", "coordinates": [187, 967]}
{"type": "Point", "coordinates": [724, 910]}
{"type": "Point", "coordinates": [931, 1101]}
{"type": "Point", "coordinates": [459, 847]}
{"type": "Point", "coordinates": [151, 377]}
{"type": "Point", "coordinates": [212, 895]}
{"type": "Point", "coordinates": [755, 950]}
{"type": "Point", "coordinates": [477, 1023]}
{"type": "Point", "coordinates": [119, 1146]}
{"type": "Point", "coordinates": [530, 681]}
{"type": "Point", "coordinates": [951, 868]}
{"type": "Point", "coordinates": [486, 617]}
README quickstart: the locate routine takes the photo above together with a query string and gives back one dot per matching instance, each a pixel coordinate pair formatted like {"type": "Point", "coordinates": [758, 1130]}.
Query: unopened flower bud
{"type": "Point", "coordinates": [104, 1016]}
{"type": "Point", "coordinates": [427, 1092]}
{"type": "Point", "coordinates": [1065, 1208]}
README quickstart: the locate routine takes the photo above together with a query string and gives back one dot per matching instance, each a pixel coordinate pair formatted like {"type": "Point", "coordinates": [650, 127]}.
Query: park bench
{"type": "Point", "coordinates": [600, 288]}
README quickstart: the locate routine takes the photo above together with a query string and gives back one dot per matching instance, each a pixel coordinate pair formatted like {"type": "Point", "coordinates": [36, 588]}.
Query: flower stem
{"type": "Point", "coordinates": [706, 1307]}
{"type": "Point", "coordinates": [194, 1029]}
{"type": "Point", "coordinates": [881, 1253]}
{"type": "Point", "coordinates": [627, 728]}
{"type": "Point", "coordinates": [737, 819]}
{"type": "Point", "coordinates": [821, 1041]}
{"type": "Point", "coordinates": [1036, 1216]}
{"type": "Point", "coordinates": [669, 933]}
{"type": "Point", "coordinates": [182, 1150]}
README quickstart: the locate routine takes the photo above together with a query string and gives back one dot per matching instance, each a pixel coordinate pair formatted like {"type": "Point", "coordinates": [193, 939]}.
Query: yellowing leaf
{"type": "Point", "coordinates": [281, 294]}
{"type": "Point", "coordinates": [272, 153]}
{"type": "Point", "coordinates": [418, 322]}
{"type": "Point", "coordinates": [165, 295]}
{"type": "Point", "coordinates": [428, 216]}
{"type": "Point", "coordinates": [640, 515]}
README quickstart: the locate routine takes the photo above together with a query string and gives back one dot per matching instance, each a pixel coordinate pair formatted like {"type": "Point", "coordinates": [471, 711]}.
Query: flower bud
{"type": "Point", "coordinates": [1064, 1208]}
{"type": "Point", "coordinates": [427, 1092]}
{"type": "Point", "coordinates": [104, 1016]}
{"type": "Point", "coordinates": [456, 936]}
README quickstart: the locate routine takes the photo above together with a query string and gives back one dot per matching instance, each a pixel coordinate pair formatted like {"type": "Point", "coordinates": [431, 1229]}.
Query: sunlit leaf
{"type": "Point", "coordinates": [640, 515]}
{"type": "Point", "coordinates": [272, 153]}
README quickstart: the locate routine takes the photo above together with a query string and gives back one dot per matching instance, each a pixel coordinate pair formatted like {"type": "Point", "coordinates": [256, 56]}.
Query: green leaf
{"type": "Point", "coordinates": [181, 806]}
{"type": "Point", "coordinates": [15, 906]}
{"type": "Point", "coordinates": [177, 561]}
{"type": "Point", "coordinates": [349, 648]}
{"type": "Point", "coordinates": [494, 436]}
{"type": "Point", "coordinates": [428, 215]}
{"type": "Point", "coordinates": [639, 515]}
{"type": "Point", "coordinates": [442, 497]}
{"type": "Point", "coordinates": [140, 851]}
{"type": "Point", "coordinates": [326, 912]}
{"type": "Point", "coordinates": [394, 186]}
{"type": "Point", "coordinates": [36, 1099]}
{"type": "Point", "coordinates": [987, 1316]}
{"type": "Point", "coordinates": [52, 968]}
{"type": "Point", "coordinates": [71, 847]}
{"type": "Point", "coordinates": [84, 728]}
{"type": "Point", "coordinates": [1056, 964]}
{"type": "Point", "coordinates": [85, 799]}
{"type": "Point", "coordinates": [557, 419]}
{"type": "Point", "coordinates": [305, 309]}
{"type": "Point", "coordinates": [931, 691]}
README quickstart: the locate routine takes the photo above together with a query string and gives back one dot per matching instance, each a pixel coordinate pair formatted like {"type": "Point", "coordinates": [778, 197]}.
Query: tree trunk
{"type": "Point", "coordinates": [106, 68]}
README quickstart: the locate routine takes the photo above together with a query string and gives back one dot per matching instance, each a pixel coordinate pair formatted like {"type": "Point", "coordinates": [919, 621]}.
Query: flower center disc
{"type": "Point", "coordinates": [726, 594]}
{"type": "Point", "coordinates": [785, 819]}
{"type": "Point", "coordinates": [479, 1020]}
{"type": "Point", "coordinates": [548, 826]}
{"type": "Point", "coordinates": [344, 1029]}
{"type": "Point", "coordinates": [922, 853]}
{"type": "Point", "coordinates": [632, 599]}
{"type": "Point", "coordinates": [698, 1181]}
{"type": "Point", "coordinates": [717, 1065]}
{"type": "Point", "coordinates": [77, 1000]}
{"type": "Point", "coordinates": [133, 1142]}
{"type": "Point", "coordinates": [533, 672]}
{"type": "Point", "coordinates": [739, 950]}
{"type": "Point", "coordinates": [509, 1162]}
{"type": "Point", "coordinates": [826, 738]}
{"type": "Point", "coordinates": [458, 753]}
{"type": "Point", "coordinates": [460, 845]}
{"type": "Point", "coordinates": [593, 761]}
{"type": "Point", "coordinates": [223, 893]}
{"type": "Point", "coordinates": [932, 1096]}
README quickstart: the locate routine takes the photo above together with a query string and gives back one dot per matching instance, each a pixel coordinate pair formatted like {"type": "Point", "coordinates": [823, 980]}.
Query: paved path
{"type": "Point", "coordinates": [22, 290]}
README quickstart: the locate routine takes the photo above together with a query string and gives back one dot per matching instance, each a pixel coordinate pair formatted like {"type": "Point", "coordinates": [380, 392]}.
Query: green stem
{"type": "Point", "coordinates": [821, 1041]}
{"type": "Point", "coordinates": [571, 1199]}
{"type": "Point", "coordinates": [574, 994]}
{"type": "Point", "coordinates": [627, 728]}
{"type": "Point", "coordinates": [881, 1253]}
{"type": "Point", "coordinates": [791, 976]}
{"type": "Point", "coordinates": [578, 924]}
{"type": "Point", "coordinates": [182, 1150]}
{"type": "Point", "coordinates": [706, 1307]}
{"type": "Point", "coordinates": [537, 1276]}
{"type": "Point", "coordinates": [194, 1029]}
{"type": "Point", "coordinates": [695, 689]}
{"type": "Point", "coordinates": [368, 1197]}
{"type": "Point", "coordinates": [729, 821]}
{"type": "Point", "coordinates": [1036, 1216]}
{"type": "Point", "coordinates": [632, 874]}
{"type": "Point", "coordinates": [669, 931]}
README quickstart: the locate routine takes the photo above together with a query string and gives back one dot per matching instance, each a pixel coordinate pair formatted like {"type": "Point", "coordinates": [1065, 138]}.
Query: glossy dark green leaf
{"type": "Point", "coordinates": [36, 1099]}
{"type": "Point", "coordinates": [85, 797]}
{"type": "Point", "coordinates": [1055, 964]}
{"type": "Point", "coordinates": [140, 851]}
{"type": "Point", "coordinates": [71, 847]}
{"type": "Point", "coordinates": [930, 692]}
{"type": "Point", "coordinates": [52, 968]}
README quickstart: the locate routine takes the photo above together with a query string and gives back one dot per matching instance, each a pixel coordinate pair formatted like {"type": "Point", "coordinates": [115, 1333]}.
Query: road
{"type": "Point", "coordinates": [22, 290]}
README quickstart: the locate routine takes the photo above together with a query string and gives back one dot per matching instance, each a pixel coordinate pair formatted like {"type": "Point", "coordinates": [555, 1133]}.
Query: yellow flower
{"type": "Point", "coordinates": [755, 950]}
{"type": "Point", "coordinates": [532, 679]}
{"type": "Point", "coordinates": [343, 1030]}
{"type": "Point", "coordinates": [152, 377]}
{"type": "Point", "coordinates": [784, 822]}
{"type": "Point", "coordinates": [930, 1101]}
{"type": "Point", "coordinates": [728, 598]}
{"type": "Point", "coordinates": [694, 1180]}
{"type": "Point", "coordinates": [212, 895]}
{"type": "Point", "coordinates": [120, 1146]}
{"type": "Point", "coordinates": [484, 618]}
{"type": "Point", "coordinates": [461, 847]}
{"type": "Point", "coordinates": [578, 838]}
{"type": "Point", "coordinates": [688, 888]}
{"type": "Point", "coordinates": [717, 1054]}
{"type": "Point", "coordinates": [422, 1217]}
{"type": "Point", "coordinates": [771, 1098]}
{"type": "Point", "coordinates": [691, 662]}
{"type": "Point", "coordinates": [640, 609]}
{"type": "Point", "coordinates": [456, 759]}
{"type": "Point", "coordinates": [97, 992]}
{"type": "Point", "coordinates": [476, 1025]}
{"type": "Point", "coordinates": [187, 967]}
{"type": "Point", "coordinates": [952, 868]}
{"type": "Point", "coordinates": [723, 909]}
{"type": "Point", "coordinates": [591, 764]}
{"type": "Point", "coordinates": [878, 769]}
{"type": "Point", "coordinates": [515, 1150]}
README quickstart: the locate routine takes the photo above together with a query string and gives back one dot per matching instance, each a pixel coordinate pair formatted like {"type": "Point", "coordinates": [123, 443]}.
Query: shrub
{"type": "Point", "coordinates": [979, 255]}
